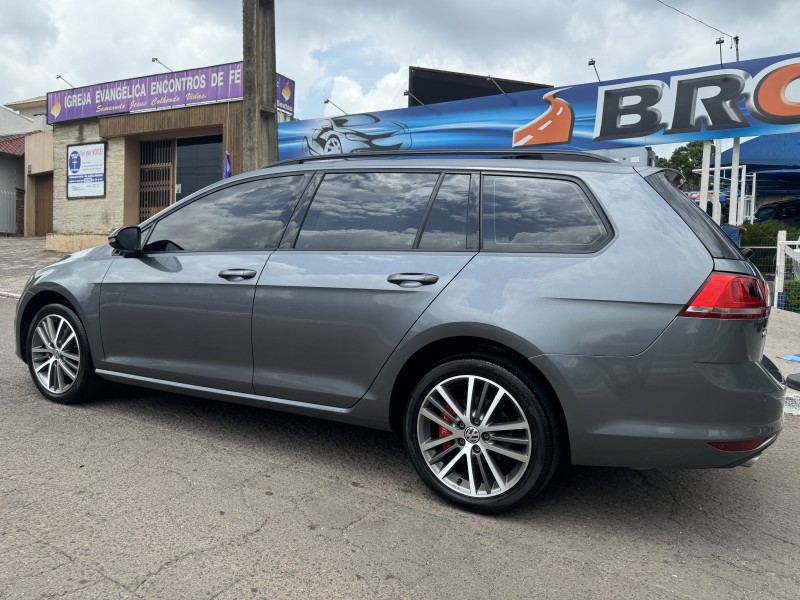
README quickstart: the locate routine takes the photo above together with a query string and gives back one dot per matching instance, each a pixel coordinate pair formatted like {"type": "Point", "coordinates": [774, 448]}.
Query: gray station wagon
{"type": "Point", "coordinates": [502, 312]}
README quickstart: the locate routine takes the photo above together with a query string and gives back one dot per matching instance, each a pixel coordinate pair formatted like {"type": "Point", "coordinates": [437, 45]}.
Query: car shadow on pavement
{"type": "Point", "coordinates": [634, 502]}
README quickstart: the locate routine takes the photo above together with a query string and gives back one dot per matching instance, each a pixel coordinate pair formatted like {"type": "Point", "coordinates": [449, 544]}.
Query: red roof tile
{"type": "Point", "coordinates": [13, 144]}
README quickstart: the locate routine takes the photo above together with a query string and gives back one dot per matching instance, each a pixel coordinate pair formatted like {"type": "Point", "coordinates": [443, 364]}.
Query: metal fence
{"type": "Point", "coordinates": [778, 259]}
{"type": "Point", "coordinates": [764, 254]}
{"type": "Point", "coordinates": [787, 273]}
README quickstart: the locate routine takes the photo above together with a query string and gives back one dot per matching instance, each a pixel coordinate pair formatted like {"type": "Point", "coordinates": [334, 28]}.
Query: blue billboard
{"type": "Point", "coordinates": [747, 98]}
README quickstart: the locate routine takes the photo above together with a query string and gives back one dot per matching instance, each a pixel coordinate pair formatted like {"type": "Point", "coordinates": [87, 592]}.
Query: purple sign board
{"type": "Point", "coordinates": [166, 90]}
{"type": "Point", "coordinates": [285, 94]}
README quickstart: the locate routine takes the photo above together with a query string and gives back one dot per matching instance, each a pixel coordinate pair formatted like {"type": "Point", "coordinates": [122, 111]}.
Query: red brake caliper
{"type": "Point", "coordinates": [444, 431]}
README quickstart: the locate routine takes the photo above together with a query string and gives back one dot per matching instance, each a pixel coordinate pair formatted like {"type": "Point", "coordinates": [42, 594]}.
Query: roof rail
{"type": "Point", "coordinates": [565, 155]}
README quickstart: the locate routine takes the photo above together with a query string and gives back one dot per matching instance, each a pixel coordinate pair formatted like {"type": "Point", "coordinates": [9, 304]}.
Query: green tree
{"type": "Point", "coordinates": [684, 159]}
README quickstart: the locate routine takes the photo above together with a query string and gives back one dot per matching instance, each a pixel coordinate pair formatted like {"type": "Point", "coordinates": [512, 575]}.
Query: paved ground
{"type": "Point", "coordinates": [145, 495]}
{"type": "Point", "coordinates": [783, 339]}
{"type": "Point", "coordinates": [19, 258]}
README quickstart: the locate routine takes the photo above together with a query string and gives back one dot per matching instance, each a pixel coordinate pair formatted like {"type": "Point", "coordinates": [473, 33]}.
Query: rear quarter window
{"type": "Point", "coordinates": [538, 214]}
{"type": "Point", "coordinates": [707, 231]}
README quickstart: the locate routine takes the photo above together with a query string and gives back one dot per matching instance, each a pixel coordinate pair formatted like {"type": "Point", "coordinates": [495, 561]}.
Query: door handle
{"type": "Point", "coordinates": [237, 274]}
{"type": "Point", "coordinates": [412, 280]}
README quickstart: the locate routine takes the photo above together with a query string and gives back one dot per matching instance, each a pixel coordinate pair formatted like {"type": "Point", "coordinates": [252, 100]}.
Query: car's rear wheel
{"type": "Point", "coordinates": [58, 356]}
{"type": "Point", "coordinates": [480, 435]}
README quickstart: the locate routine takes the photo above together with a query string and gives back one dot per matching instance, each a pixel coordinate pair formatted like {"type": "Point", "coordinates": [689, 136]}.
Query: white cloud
{"type": "Point", "coordinates": [92, 41]}
{"type": "Point", "coordinates": [385, 94]}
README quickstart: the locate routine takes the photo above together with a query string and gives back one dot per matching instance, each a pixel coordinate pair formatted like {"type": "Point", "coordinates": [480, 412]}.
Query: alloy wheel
{"type": "Point", "coordinates": [474, 436]}
{"type": "Point", "coordinates": [55, 353]}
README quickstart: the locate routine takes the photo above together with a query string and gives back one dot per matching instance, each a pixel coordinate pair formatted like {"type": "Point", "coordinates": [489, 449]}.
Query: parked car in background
{"type": "Point", "coordinates": [502, 315]}
{"type": "Point", "coordinates": [786, 212]}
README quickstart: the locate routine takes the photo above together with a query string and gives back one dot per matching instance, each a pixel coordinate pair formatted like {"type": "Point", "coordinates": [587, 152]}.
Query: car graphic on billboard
{"type": "Point", "coordinates": [356, 133]}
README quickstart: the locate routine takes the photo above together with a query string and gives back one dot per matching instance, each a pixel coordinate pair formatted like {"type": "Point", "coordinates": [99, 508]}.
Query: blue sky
{"type": "Point", "coordinates": [357, 52]}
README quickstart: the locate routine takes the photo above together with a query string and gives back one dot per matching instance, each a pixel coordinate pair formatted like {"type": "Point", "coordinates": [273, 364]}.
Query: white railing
{"type": "Point", "coordinates": [786, 249]}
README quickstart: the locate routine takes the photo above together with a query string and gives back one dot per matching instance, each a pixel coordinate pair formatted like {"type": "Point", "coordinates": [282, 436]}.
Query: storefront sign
{"type": "Point", "coordinates": [747, 98]}
{"type": "Point", "coordinates": [86, 171]}
{"type": "Point", "coordinates": [285, 94]}
{"type": "Point", "coordinates": [166, 90]}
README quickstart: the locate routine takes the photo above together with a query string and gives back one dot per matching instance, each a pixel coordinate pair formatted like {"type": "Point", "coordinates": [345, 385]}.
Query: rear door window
{"type": "Point", "coordinates": [537, 214]}
{"type": "Point", "coordinates": [446, 225]}
{"type": "Point", "coordinates": [367, 211]}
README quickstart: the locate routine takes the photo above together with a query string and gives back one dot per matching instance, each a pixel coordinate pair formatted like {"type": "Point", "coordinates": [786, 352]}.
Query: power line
{"type": "Point", "coordinates": [694, 19]}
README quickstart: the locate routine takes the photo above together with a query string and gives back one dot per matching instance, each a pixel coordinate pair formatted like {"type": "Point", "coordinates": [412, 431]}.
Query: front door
{"type": "Point", "coordinates": [182, 311]}
{"type": "Point", "coordinates": [44, 205]}
{"type": "Point", "coordinates": [155, 177]}
{"type": "Point", "coordinates": [198, 163]}
{"type": "Point", "coordinates": [172, 316]}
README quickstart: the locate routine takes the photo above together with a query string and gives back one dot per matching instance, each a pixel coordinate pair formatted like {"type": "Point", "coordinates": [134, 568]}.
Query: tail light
{"type": "Point", "coordinates": [729, 296]}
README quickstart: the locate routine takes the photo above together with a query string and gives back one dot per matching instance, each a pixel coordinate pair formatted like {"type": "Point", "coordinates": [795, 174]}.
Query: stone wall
{"type": "Point", "coordinates": [59, 242]}
{"type": "Point", "coordinates": [89, 216]}
{"type": "Point", "coordinates": [20, 212]}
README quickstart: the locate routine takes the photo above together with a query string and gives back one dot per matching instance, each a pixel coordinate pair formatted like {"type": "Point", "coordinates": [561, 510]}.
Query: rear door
{"type": "Point", "coordinates": [360, 263]}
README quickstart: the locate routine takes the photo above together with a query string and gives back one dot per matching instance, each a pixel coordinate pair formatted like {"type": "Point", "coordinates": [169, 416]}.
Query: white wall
{"type": "Point", "coordinates": [12, 122]}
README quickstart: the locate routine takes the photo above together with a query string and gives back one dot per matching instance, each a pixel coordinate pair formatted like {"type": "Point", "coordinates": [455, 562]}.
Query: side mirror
{"type": "Point", "coordinates": [127, 240]}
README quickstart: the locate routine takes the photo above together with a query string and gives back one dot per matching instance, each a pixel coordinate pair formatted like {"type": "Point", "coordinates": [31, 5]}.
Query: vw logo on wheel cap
{"type": "Point", "coordinates": [472, 435]}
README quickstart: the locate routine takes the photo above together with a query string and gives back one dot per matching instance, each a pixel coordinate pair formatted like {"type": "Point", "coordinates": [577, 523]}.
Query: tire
{"type": "Point", "coordinates": [58, 356]}
{"type": "Point", "coordinates": [503, 455]}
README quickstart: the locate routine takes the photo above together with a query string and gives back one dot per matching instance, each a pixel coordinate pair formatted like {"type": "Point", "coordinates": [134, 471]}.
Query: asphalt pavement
{"type": "Point", "coordinates": [19, 258]}
{"type": "Point", "coordinates": [150, 495]}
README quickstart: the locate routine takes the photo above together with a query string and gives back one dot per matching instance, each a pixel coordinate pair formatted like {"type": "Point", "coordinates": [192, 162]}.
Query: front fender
{"type": "Point", "coordinates": [75, 281]}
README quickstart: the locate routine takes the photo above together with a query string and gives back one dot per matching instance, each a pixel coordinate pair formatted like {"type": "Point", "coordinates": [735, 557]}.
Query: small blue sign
{"type": "Point", "coordinates": [74, 161]}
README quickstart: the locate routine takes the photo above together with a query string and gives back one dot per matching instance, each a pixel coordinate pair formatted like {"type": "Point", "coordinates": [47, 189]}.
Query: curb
{"type": "Point", "coordinates": [9, 295]}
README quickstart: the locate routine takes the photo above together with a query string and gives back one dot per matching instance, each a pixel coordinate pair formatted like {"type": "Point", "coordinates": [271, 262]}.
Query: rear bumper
{"type": "Point", "coordinates": [659, 410]}
{"type": "Point", "coordinates": [750, 459]}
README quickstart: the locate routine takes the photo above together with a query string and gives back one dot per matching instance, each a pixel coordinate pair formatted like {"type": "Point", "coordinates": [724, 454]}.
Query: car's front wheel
{"type": "Point", "coordinates": [58, 355]}
{"type": "Point", "coordinates": [480, 435]}
{"type": "Point", "coordinates": [332, 145]}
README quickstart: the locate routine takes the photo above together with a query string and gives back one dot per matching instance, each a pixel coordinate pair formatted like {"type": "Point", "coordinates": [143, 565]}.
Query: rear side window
{"type": "Point", "coordinates": [707, 231]}
{"type": "Point", "coordinates": [367, 211]}
{"type": "Point", "coordinates": [533, 214]}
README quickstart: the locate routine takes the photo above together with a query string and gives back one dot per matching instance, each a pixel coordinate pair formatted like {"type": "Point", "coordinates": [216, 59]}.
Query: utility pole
{"type": "Point", "coordinates": [259, 117]}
